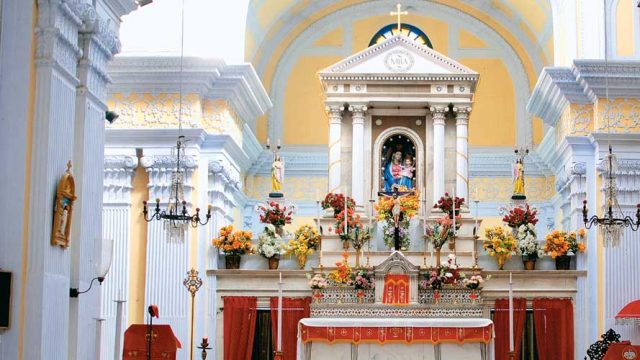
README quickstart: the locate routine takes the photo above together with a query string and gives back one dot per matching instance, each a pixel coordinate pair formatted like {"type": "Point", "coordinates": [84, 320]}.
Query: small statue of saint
{"type": "Point", "coordinates": [393, 172]}
{"type": "Point", "coordinates": [407, 173]}
{"type": "Point", "coordinates": [518, 175]}
{"type": "Point", "coordinates": [277, 174]}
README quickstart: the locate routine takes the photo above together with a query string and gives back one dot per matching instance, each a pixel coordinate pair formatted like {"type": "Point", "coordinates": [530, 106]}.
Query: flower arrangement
{"type": "Point", "coordinates": [274, 213]}
{"type": "Point", "coordinates": [270, 244]}
{"type": "Point", "coordinates": [353, 221]}
{"type": "Point", "coordinates": [499, 244]}
{"type": "Point", "coordinates": [388, 235]}
{"type": "Point", "coordinates": [336, 202]}
{"type": "Point", "coordinates": [448, 273]}
{"type": "Point", "coordinates": [318, 282]}
{"type": "Point", "coordinates": [301, 249]}
{"type": "Point", "coordinates": [310, 235]}
{"type": "Point", "coordinates": [363, 281]}
{"type": "Point", "coordinates": [527, 244]}
{"type": "Point", "coordinates": [521, 216]}
{"type": "Point", "coordinates": [445, 203]}
{"type": "Point", "coordinates": [234, 242]}
{"type": "Point", "coordinates": [409, 206]}
{"type": "Point", "coordinates": [560, 243]}
{"type": "Point", "coordinates": [440, 232]}
{"type": "Point", "coordinates": [475, 282]}
{"type": "Point", "coordinates": [342, 275]}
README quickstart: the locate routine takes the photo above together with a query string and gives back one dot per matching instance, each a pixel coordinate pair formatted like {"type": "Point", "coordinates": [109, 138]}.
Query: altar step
{"type": "Point", "coordinates": [463, 258]}
{"type": "Point", "coordinates": [463, 243]}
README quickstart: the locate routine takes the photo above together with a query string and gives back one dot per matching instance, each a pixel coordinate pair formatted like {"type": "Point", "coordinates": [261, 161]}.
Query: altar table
{"type": "Point", "coordinates": [393, 338]}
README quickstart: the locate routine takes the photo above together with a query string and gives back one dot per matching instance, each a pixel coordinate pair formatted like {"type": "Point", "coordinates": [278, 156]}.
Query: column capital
{"type": "Point", "coordinates": [438, 109]}
{"type": "Point", "coordinates": [335, 113]}
{"type": "Point", "coordinates": [359, 109]}
{"type": "Point", "coordinates": [439, 113]}
{"type": "Point", "coordinates": [462, 114]}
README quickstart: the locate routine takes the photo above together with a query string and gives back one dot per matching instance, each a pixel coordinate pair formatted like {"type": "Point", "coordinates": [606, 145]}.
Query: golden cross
{"type": "Point", "coordinates": [398, 13]}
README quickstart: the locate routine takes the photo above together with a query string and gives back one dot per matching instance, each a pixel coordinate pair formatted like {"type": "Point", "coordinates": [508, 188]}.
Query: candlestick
{"type": "Point", "coordinates": [278, 143]}
{"type": "Point", "coordinates": [475, 233]}
{"type": "Point", "coordinates": [511, 347]}
{"type": "Point", "coordinates": [279, 343]}
{"type": "Point", "coordinates": [117, 352]}
{"type": "Point", "coordinates": [268, 142]}
{"type": "Point", "coordinates": [346, 214]}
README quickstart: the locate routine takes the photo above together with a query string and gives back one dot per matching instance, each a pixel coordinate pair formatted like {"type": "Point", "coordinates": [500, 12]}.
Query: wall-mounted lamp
{"type": "Point", "coordinates": [111, 116]}
{"type": "Point", "coordinates": [102, 270]}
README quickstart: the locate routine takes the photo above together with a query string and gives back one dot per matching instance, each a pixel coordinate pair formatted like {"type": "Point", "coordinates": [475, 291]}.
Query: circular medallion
{"type": "Point", "coordinates": [399, 61]}
{"type": "Point", "coordinates": [630, 354]}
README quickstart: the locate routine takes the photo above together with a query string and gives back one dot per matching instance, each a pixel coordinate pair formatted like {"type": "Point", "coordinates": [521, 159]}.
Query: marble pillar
{"type": "Point", "coordinates": [438, 113]}
{"type": "Point", "coordinates": [357, 168]}
{"type": "Point", "coordinates": [462, 152]}
{"type": "Point", "coordinates": [335, 124]}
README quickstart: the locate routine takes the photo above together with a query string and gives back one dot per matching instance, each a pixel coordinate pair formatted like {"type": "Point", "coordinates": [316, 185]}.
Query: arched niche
{"type": "Point", "coordinates": [378, 151]}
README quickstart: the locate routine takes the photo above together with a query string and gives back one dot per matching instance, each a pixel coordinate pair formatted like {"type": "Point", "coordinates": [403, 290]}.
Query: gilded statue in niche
{"type": "Point", "coordinates": [63, 209]}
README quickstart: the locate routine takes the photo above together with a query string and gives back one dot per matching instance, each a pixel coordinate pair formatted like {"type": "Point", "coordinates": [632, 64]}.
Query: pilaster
{"type": "Point", "coordinates": [357, 168]}
{"type": "Point", "coordinates": [438, 114]}
{"type": "Point", "coordinates": [335, 124]}
{"type": "Point", "coordinates": [462, 151]}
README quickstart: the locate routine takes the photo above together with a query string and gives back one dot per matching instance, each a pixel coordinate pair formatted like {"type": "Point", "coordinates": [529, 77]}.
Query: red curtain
{"type": "Point", "coordinates": [396, 289]}
{"type": "Point", "coordinates": [501, 323]}
{"type": "Point", "coordinates": [553, 321]}
{"type": "Point", "coordinates": [239, 326]}
{"type": "Point", "coordinates": [293, 309]}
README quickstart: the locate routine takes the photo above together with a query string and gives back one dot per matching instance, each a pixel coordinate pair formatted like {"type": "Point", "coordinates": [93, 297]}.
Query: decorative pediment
{"type": "Point", "coordinates": [400, 56]}
{"type": "Point", "coordinates": [396, 263]}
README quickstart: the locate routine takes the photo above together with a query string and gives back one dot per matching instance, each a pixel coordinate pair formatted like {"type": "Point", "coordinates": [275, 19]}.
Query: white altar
{"type": "Point", "coordinates": [394, 338]}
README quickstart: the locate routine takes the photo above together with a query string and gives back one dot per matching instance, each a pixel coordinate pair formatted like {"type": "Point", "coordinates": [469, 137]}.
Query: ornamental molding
{"type": "Point", "coordinates": [98, 27]}
{"type": "Point", "coordinates": [121, 7]}
{"type": "Point", "coordinates": [57, 37]}
{"type": "Point", "coordinates": [126, 162]}
{"type": "Point", "coordinates": [311, 161]}
{"type": "Point", "coordinates": [119, 171]}
{"type": "Point", "coordinates": [226, 173]}
{"type": "Point", "coordinates": [499, 163]}
{"type": "Point", "coordinates": [167, 162]}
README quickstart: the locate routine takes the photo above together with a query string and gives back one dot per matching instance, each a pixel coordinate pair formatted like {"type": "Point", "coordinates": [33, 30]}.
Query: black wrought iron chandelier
{"type": "Point", "coordinates": [176, 217]}
{"type": "Point", "coordinates": [613, 222]}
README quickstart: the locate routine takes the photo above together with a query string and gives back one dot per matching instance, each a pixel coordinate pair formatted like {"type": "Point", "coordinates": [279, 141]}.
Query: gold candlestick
{"type": "Point", "coordinates": [204, 346]}
{"type": "Point", "coordinates": [193, 284]}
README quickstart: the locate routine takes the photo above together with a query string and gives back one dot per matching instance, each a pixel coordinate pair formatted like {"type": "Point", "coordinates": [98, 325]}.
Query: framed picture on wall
{"type": "Point", "coordinates": [63, 209]}
{"type": "Point", "coordinates": [5, 299]}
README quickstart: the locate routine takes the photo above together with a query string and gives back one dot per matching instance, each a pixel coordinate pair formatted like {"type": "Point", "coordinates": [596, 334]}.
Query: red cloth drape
{"type": "Point", "coordinates": [293, 309]}
{"type": "Point", "coordinates": [396, 289]}
{"type": "Point", "coordinates": [553, 321]}
{"type": "Point", "coordinates": [501, 323]}
{"type": "Point", "coordinates": [239, 326]}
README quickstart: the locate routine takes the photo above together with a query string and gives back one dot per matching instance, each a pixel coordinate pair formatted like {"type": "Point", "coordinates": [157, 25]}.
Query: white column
{"type": "Point", "coordinates": [462, 152]}
{"type": "Point", "coordinates": [357, 153]}
{"type": "Point", "coordinates": [335, 124]}
{"type": "Point", "coordinates": [116, 221]}
{"type": "Point", "coordinates": [438, 114]}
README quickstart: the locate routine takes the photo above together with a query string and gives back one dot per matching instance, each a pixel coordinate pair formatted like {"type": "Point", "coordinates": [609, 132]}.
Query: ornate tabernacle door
{"type": "Point", "coordinates": [396, 289]}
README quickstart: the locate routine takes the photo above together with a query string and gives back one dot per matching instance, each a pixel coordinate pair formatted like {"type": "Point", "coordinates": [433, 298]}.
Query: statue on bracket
{"type": "Point", "coordinates": [398, 168]}
{"type": "Point", "coordinates": [518, 175]}
{"type": "Point", "coordinates": [277, 171]}
{"type": "Point", "coordinates": [63, 209]}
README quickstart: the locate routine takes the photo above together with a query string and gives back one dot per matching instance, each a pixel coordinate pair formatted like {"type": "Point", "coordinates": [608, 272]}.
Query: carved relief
{"type": "Point", "coordinates": [63, 209]}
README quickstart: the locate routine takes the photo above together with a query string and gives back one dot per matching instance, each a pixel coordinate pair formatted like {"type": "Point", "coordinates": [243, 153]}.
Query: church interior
{"type": "Point", "coordinates": [328, 179]}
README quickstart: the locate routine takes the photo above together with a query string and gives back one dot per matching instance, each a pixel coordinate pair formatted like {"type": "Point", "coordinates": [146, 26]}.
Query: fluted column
{"type": "Point", "coordinates": [167, 263]}
{"type": "Point", "coordinates": [462, 151]}
{"type": "Point", "coordinates": [438, 113]}
{"type": "Point", "coordinates": [116, 224]}
{"type": "Point", "coordinates": [335, 134]}
{"type": "Point", "coordinates": [357, 153]}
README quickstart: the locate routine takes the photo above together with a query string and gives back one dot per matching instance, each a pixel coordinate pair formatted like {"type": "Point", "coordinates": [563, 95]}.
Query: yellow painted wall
{"type": "Point", "coordinates": [538, 130]}
{"type": "Point", "coordinates": [467, 40]}
{"type": "Point", "coordinates": [334, 37]}
{"type": "Point", "coordinates": [138, 248]}
{"type": "Point", "coordinates": [492, 121]}
{"type": "Point", "coordinates": [305, 121]}
{"type": "Point", "coordinates": [624, 28]}
{"type": "Point", "coordinates": [296, 188]}
{"type": "Point", "coordinates": [500, 189]}
{"type": "Point", "coordinates": [622, 114]}
{"type": "Point", "coordinates": [532, 12]}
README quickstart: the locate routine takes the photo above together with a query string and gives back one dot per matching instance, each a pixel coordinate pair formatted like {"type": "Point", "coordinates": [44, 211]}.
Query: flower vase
{"type": "Point", "coordinates": [274, 262]}
{"type": "Point", "coordinates": [360, 295]}
{"type": "Point", "coordinates": [280, 230]}
{"type": "Point", "coordinates": [232, 261]}
{"type": "Point", "coordinates": [302, 261]}
{"type": "Point", "coordinates": [529, 262]}
{"type": "Point", "coordinates": [357, 249]}
{"type": "Point", "coordinates": [563, 262]}
{"type": "Point", "coordinates": [501, 260]}
{"type": "Point", "coordinates": [345, 244]}
{"type": "Point", "coordinates": [437, 257]}
{"type": "Point", "coordinates": [317, 295]}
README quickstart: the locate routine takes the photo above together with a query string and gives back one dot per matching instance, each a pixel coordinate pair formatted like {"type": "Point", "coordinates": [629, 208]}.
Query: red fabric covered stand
{"type": "Point", "coordinates": [164, 344]}
{"type": "Point", "coordinates": [629, 314]}
{"type": "Point", "coordinates": [396, 289]}
{"type": "Point", "coordinates": [622, 351]}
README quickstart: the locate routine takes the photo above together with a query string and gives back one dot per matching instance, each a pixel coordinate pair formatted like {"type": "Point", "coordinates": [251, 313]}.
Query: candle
{"type": "Point", "coordinates": [453, 206]}
{"type": "Point", "coordinates": [346, 214]}
{"type": "Point", "coordinates": [510, 313]}
{"type": "Point", "coordinates": [268, 142]}
{"type": "Point", "coordinates": [279, 344]}
{"type": "Point", "coordinates": [278, 142]}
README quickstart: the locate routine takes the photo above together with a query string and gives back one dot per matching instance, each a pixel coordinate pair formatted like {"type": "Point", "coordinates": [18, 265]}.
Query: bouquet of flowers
{"type": "Point", "coordinates": [353, 221]}
{"type": "Point", "coordinates": [309, 234]}
{"type": "Point", "coordinates": [388, 234]}
{"type": "Point", "coordinates": [440, 232]}
{"type": "Point", "coordinates": [318, 282]}
{"type": "Point", "coordinates": [445, 203]}
{"type": "Point", "coordinates": [274, 213]}
{"type": "Point", "coordinates": [342, 275]}
{"type": "Point", "coordinates": [474, 282]}
{"type": "Point", "coordinates": [234, 242]}
{"type": "Point", "coordinates": [521, 216]}
{"type": "Point", "coordinates": [336, 202]}
{"type": "Point", "coordinates": [447, 273]}
{"type": "Point", "coordinates": [409, 206]}
{"type": "Point", "coordinates": [499, 243]}
{"type": "Point", "coordinates": [527, 244]}
{"type": "Point", "coordinates": [363, 281]}
{"type": "Point", "coordinates": [560, 243]}
{"type": "Point", "coordinates": [300, 248]}
{"type": "Point", "coordinates": [270, 244]}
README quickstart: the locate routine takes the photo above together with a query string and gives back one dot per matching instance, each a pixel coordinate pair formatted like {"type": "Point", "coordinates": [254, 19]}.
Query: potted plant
{"type": "Point", "coordinates": [499, 244]}
{"type": "Point", "coordinates": [519, 216]}
{"type": "Point", "coordinates": [271, 246]}
{"type": "Point", "coordinates": [528, 246]}
{"type": "Point", "coordinates": [446, 203]}
{"type": "Point", "coordinates": [317, 283]}
{"type": "Point", "coordinates": [299, 246]}
{"type": "Point", "coordinates": [342, 275]}
{"type": "Point", "coordinates": [561, 245]}
{"type": "Point", "coordinates": [275, 214]}
{"type": "Point", "coordinates": [363, 281]}
{"type": "Point", "coordinates": [233, 244]}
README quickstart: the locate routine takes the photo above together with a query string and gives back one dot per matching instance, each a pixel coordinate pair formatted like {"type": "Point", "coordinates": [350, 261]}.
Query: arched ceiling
{"type": "Point", "coordinates": [272, 25]}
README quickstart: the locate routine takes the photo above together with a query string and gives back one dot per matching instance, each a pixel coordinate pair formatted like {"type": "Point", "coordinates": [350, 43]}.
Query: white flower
{"type": "Point", "coordinates": [452, 257]}
{"type": "Point", "coordinates": [570, 253]}
{"type": "Point", "coordinates": [270, 227]}
{"type": "Point", "coordinates": [540, 253]}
